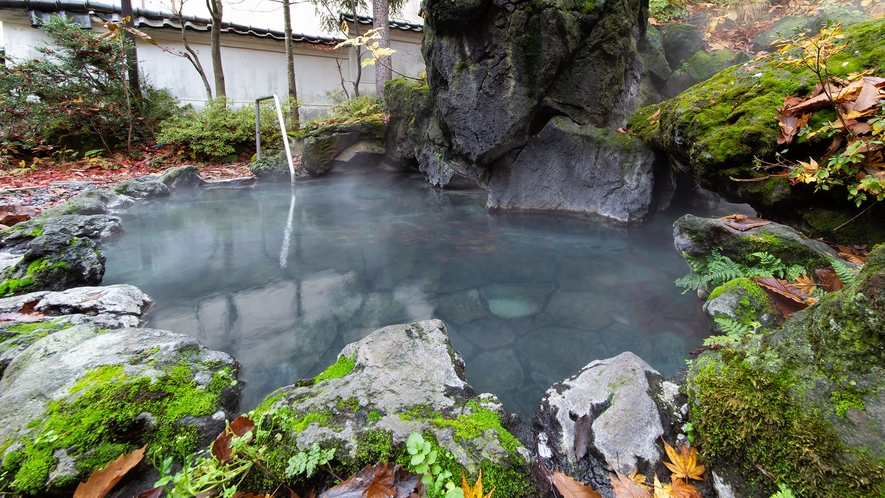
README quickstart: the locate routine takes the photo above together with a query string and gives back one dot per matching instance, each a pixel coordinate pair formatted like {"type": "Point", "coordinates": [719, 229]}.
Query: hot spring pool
{"type": "Point", "coordinates": [282, 279]}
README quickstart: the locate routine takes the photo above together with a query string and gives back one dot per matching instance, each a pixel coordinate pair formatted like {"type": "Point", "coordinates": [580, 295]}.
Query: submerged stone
{"type": "Point", "coordinates": [515, 300]}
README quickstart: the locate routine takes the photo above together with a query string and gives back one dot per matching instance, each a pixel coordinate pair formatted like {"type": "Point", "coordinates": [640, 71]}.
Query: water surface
{"type": "Point", "coordinates": [282, 279]}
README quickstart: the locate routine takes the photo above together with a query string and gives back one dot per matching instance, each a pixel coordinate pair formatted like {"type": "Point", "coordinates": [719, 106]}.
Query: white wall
{"type": "Point", "coordinates": [253, 67]}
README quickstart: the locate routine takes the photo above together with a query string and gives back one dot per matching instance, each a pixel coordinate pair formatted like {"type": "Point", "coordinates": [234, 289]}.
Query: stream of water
{"type": "Point", "coordinates": [283, 278]}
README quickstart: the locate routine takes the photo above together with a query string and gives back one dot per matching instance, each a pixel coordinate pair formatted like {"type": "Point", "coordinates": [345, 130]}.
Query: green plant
{"type": "Point", "coordinates": [306, 462]}
{"type": "Point", "coordinates": [783, 491]}
{"type": "Point", "coordinates": [666, 10]}
{"type": "Point", "coordinates": [733, 330]}
{"type": "Point", "coordinates": [846, 275]}
{"type": "Point", "coordinates": [219, 129]}
{"type": "Point", "coordinates": [423, 461]}
{"type": "Point", "coordinates": [75, 95]}
{"type": "Point", "coordinates": [716, 269]}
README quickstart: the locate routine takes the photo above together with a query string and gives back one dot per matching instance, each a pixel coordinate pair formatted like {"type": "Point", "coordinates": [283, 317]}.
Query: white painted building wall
{"type": "Point", "coordinates": [253, 66]}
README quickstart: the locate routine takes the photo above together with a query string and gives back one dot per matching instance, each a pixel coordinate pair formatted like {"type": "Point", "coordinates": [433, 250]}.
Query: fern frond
{"type": "Point", "coordinates": [724, 269]}
{"type": "Point", "coordinates": [846, 274]}
{"type": "Point", "coordinates": [730, 326]}
{"type": "Point", "coordinates": [723, 340]}
{"type": "Point", "coordinates": [691, 281]}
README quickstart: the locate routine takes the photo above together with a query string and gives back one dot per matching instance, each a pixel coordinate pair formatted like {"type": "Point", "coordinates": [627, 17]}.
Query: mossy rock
{"type": "Point", "coordinates": [698, 68]}
{"type": "Point", "coordinates": [696, 237]}
{"type": "Point", "coordinates": [805, 402]}
{"type": "Point", "coordinates": [79, 398]}
{"type": "Point", "coordinates": [715, 129]}
{"type": "Point", "coordinates": [272, 168]}
{"type": "Point", "coordinates": [181, 177]}
{"type": "Point", "coordinates": [324, 144]}
{"type": "Point", "coordinates": [744, 302]}
{"type": "Point", "coordinates": [364, 409]}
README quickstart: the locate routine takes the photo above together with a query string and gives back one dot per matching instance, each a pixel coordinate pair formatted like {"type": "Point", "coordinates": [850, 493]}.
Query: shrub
{"type": "Point", "coordinates": [75, 95]}
{"type": "Point", "coordinates": [219, 129]}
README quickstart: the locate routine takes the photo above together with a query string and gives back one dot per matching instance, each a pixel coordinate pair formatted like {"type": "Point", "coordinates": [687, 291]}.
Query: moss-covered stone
{"type": "Point", "coordinates": [322, 145]}
{"type": "Point", "coordinates": [804, 402]}
{"type": "Point", "coordinates": [718, 127]}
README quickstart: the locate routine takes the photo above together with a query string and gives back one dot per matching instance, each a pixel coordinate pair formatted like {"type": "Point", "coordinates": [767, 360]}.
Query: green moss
{"type": "Point", "coordinates": [26, 328]}
{"type": "Point", "coordinates": [373, 415]}
{"type": "Point", "coordinates": [97, 424]}
{"type": "Point", "coordinates": [339, 369]}
{"type": "Point", "coordinates": [739, 427]}
{"type": "Point", "coordinates": [845, 400]}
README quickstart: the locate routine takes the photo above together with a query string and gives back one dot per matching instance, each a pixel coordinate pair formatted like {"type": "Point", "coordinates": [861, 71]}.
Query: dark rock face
{"type": "Point", "coordinates": [680, 42]}
{"type": "Point", "coordinates": [271, 168]}
{"type": "Point", "coordinates": [604, 173]}
{"type": "Point", "coordinates": [498, 72]}
{"type": "Point", "coordinates": [323, 146]}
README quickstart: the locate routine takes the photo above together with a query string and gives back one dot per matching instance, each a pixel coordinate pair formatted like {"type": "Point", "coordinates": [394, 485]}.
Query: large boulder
{"type": "Point", "coordinates": [144, 187]}
{"type": "Point", "coordinates": [498, 74]}
{"type": "Point", "coordinates": [605, 173]}
{"type": "Point", "coordinates": [715, 130]}
{"type": "Point", "coordinates": [33, 316]}
{"type": "Point", "coordinates": [399, 380]}
{"type": "Point", "coordinates": [77, 399]}
{"type": "Point", "coordinates": [805, 402]}
{"type": "Point", "coordinates": [611, 416]}
{"type": "Point", "coordinates": [181, 177]}
{"type": "Point", "coordinates": [54, 262]}
{"type": "Point", "coordinates": [323, 146]}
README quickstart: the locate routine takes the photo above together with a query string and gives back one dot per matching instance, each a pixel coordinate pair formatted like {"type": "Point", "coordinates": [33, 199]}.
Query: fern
{"type": "Point", "coordinates": [723, 269]}
{"type": "Point", "coordinates": [846, 275]}
{"type": "Point", "coordinates": [691, 281]}
{"type": "Point", "coordinates": [783, 491]}
{"type": "Point", "coordinates": [728, 341]}
{"type": "Point", "coordinates": [716, 269]}
{"type": "Point", "coordinates": [306, 462]}
{"type": "Point", "coordinates": [730, 326]}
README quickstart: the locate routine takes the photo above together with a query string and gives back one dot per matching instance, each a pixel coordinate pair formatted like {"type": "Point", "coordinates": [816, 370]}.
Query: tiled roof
{"type": "Point", "coordinates": [152, 19]}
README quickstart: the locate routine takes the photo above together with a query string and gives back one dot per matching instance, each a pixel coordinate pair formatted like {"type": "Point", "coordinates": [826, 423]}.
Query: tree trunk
{"type": "Point", "coordinates": [216, 12]}
{"type": "Point", "coordinates": [381, 22]}
{"type": "Point", "coordinates": [191, 54]}
{"type": "Point", "coordinates": [290, 65]}
{"type": "Point", "coordinates": [359, 65]}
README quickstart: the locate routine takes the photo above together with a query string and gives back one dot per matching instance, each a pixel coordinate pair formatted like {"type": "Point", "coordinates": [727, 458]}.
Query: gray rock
{"type": "Point", "coordinates": [145, 187]}
{"type": "Point", "coordinates": [181, 177]}
{"type": "Point", "coordinates": [324, 145]}
{"type": "Point", "coordinates": [651, 49]}
{"type": "Point", "coordinates": [583, 310]}
{"type": "Point", "coordinates": [461, 307]}
{"type": "Point", "coordinates": [697, 237]}
{"type": "Point", "coordinates": [516, 300]}
{"type": "Point", "coordinates": [360, 156]}
{"type": "Point", "coordinates": [54, 261]}
{"type": "Point", "coordinates": [81, 369]}
{"type": "Point", "coordinates": [271, 168]}
{"type": "Point", "coordinates": [100, 201]}
{"type": "Point", "coordinates": [744, 301]}
{"type": "Point", "coordinates": [699, 67]}
{"type": "Point", "coordinates": [121, 299]}
{"type": "Point", "coordinates": [96, 227]}
{"type": "Point", "coordinates": [680, 42]}
{"type": "Point", "coordinates": [630, 408]}
{"type": "Point", "coordinates": [371, 398]}
{"type": "Point", "coordinates": [569, 167]}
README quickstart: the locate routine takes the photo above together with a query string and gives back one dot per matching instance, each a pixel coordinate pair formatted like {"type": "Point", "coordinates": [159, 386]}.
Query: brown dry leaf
{"type": "Point", "coordinates": [853, 254]}
{"type": "Point", "coordinates": [684, 462]}
{"type": "Point", "coordinates": [151, 493]}
{"type": "Point", "coordinates": [625, 487]}
{"type": "Point", "coordinates": [221, 447]}
{"type": "Point", "coordinates": [829, 280]}
{"type": "Point", "coordinates": [869, 93]}
{"type": "Point", "coordinates": [570, 488]}
{"type": "Point", "coordinates": [382, 480]}
{"type": "Point", "coordinates": [681, 489]}
{"type": "Point", "coordinates": [744, 224]}
{"type": "Point", "coordinates": [656, 114]}
{"type": "Point", "coordinates": [102, 481]}
{"type": "Point", "coordinates": [20, 317]}
{"type": "Point", "coordinates": [789, 127]}
{"type": "Point", "coordinates": [582, 436]}
{"type": "Point", "coordinates": [805, 284]}
{"type": "Point", "coordinates": [785, 295]}
{"type": "Point", "coordinates": [809, 105]}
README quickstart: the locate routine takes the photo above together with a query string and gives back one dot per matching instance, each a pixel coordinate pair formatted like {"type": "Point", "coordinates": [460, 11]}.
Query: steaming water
{"type": "Point", "coordinates": [282, 279]}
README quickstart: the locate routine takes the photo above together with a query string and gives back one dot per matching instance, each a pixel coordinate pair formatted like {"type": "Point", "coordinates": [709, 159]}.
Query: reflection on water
{"type": "Point", "coordinates": [283, 281]}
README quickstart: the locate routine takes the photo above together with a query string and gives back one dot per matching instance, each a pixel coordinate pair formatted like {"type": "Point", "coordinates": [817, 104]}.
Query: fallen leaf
{"type": "Point", "coordinates": [805, 284]}
{"type": "Point", "coordinates": [570, 488]}
{"type": "Point", "coordinates": [785, 295]}
{"type": "Point", "coordinates": [476, 490]}
{"type": "Point", "coordinates": [681, 489]}
{"type": "Point", "coordinates": [656, 114]}
{"type": "Point", "coordinates": [625, 487]}
{"type": "Point", "coordinates": [854, 254]}
{"type": "Point", "coordinates": [382, 480]}
{"type": "Point", "coordinates": [20, 317]}
{"type": "Point", "coordinates": [151, 493]}
{"type": "Point", "coordinates": [744, 224]}
{"type": "Point", "coordinates": [869, 93]}
{"type": "Point", "coordinates": [789, 127]}
{"type": "Point", "coordinates": [829, 280]}
{"type": "Point", "coordinates": [684, 462]}
{"type": "Point", "coordinates": [221, 447]}
{"type": "Point", "coordinates": [102, 481]}
{"type": "Point", "coordinates": [582, 436]}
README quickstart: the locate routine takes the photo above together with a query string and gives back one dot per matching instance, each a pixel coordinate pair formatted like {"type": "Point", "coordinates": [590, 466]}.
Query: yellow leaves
{"type": "Point", "coordinates": [374, 47]}
{"type": "Point", "coordinates": [684, 463]}
{"type": "Point", "coordinates": [808, 173]}
{"type": "Point", "coordinates": [476, 490]}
